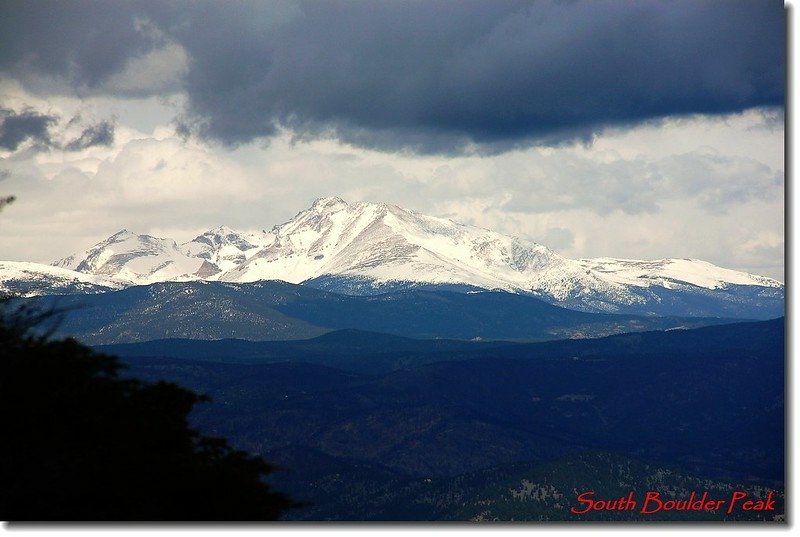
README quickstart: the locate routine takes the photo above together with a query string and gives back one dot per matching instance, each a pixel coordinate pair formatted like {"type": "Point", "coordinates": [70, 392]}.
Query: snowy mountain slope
{"type": "Point", "coordinates": [367, 248]}
{"type": "Point", "coordinates": [665, 272]}
{"type": "Point", "coordinates": [379, 241]}
{"type": "Point", "coordinates": [349, 246]}
{"type": "Point", "coordinates": [29, 279]}
{"type": "Point", "coordinates": [137, 259]}
{"type": "Point", "coordinates": [225, 248]}
{"type": "Point", "coordinates": [388, 243]}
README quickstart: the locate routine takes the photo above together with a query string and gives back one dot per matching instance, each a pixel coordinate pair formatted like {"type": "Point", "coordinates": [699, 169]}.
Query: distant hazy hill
{"type": "Point", "coordinates": [372, 352]}
{"type": "Point", "coordinates": [282, 311]}
{"type": "Point", "coordinates": [707, 402]}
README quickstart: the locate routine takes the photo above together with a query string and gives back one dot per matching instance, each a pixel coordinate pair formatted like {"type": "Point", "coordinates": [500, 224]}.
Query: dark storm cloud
{"type": "Point", "coordinates": [100, 134]}
{"type": "Point", "coordinates": [80, 42]}
{"type": "Point", "coordinates": [15, 128]}
{"type": "Point", "coordinates": [426, 75]}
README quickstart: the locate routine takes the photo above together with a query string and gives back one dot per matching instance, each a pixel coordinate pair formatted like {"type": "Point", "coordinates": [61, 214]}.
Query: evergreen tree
{"type": "Point", "coordinates": [81, 443]}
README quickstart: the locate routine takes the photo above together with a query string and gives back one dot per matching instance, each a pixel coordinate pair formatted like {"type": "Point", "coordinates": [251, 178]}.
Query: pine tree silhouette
{"type": "Point", "coordinates": [81, 443]}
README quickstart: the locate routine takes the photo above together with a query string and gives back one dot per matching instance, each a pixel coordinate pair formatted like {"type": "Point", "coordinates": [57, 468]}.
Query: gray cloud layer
{"type": "Point", "coordinates": [82, 43]}
{"type": "Point", "coordinates": [100, 134]}
{"type": "Point", "coordinates": [15, 128]}
{"type": "Point", "coordinates": [431, 76]}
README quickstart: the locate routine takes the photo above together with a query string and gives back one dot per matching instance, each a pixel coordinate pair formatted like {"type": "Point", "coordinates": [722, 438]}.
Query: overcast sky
{"type": "Point", "coordinates": [637, 129]}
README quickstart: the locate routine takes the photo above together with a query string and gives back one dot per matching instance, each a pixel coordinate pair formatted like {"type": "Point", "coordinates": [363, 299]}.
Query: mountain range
{"type": "Point", "coordinates": [399, 430]}
{"type": "Point", "coordinates": [280, 311]}
{"type": "Point", "coordinates": [370, 248]}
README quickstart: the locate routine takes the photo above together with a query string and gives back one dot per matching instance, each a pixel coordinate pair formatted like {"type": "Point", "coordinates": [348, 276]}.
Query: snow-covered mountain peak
{"type": "Point", "coordinates": [385, 242]}
{"type": "Point", "coordinates": [376, 245]}
{"type": "Point", "coordinates": [224, 248]}
{"type": "Point", "coordinates": [222, 236]}
{"type": "Point", "coordinates": [221, 230]}
{"type": "Point", "coordinates": [328, 204]}
{"type": "Point", "coordinates": [133, 258]}
{"type": "Point", "coordinates": [121, 235]}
